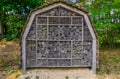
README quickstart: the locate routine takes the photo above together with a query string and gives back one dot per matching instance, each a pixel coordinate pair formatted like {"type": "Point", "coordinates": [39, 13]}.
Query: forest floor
{"type": "Point", "coordinates": [109, 62]}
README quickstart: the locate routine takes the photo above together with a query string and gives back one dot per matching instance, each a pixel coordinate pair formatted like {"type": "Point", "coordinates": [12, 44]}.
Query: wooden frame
{"type": "Point", "coordinates": [84, 14]}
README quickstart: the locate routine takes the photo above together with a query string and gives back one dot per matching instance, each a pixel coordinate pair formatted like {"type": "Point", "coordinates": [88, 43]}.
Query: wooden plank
{"type": "Point", "coordinates": [36, 37]}
{"type": "Point", "coordinates": [94, 56]}
{"type": "Point", "coordinates": [24, 43]}
{"type": "Point", "coordinates": [82, 34]}
{"type": "Point", "coordinates": [58, 16]}
{"type": "Point", "coordinates": [23, 56]}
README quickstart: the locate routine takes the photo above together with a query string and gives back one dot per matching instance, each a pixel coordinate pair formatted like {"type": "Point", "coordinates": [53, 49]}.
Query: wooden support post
{"type": "Point", "coordinates": [0, 30]}
{"type": "Point", "coordinates": [94, 56]}
{"type": "Point", "coordinates": [23, 56]}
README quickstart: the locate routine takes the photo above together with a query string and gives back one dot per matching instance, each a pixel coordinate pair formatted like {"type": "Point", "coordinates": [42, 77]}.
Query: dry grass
{"type": "Point", "coordinates": [110, 61]}
{"type": "Point", "coordinates": [109, 64]}
{"type": "Point", "coordinates": [9, 57]}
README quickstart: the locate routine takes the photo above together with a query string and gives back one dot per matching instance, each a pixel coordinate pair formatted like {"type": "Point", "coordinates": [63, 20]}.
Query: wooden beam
{"type": "Point", "coordinates": [94, 56]}
{"type": "Point", "coordinates": [23, 56]}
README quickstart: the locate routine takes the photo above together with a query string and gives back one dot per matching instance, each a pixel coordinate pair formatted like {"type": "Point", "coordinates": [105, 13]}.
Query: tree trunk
{"type": "Point", "coordinates": [0, 30]}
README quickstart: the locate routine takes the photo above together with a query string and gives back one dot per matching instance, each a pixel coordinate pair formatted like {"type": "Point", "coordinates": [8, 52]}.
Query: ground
{"type": "Point", "coordinates": [9, 57]}
{"type": "Point", "coordinates": [109, 66]}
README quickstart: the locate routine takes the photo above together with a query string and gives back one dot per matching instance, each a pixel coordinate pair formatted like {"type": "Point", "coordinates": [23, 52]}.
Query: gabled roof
{"type": "Point", "coordinates": [58, 2]}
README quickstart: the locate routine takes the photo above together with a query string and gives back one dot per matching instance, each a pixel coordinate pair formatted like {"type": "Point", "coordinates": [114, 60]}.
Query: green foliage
{"type": "Point", "coordinates": [13, 15]}
{"type": "Point", "coordinates": [27, 77]}
{"type": "Point", "coordinates": [14, 26]}
{"type": "Point", "coordinates": [66, 77]}
{"type": "Point", "coordinates": [105, 18]}
{"type": "Point", "coordinates": [37, 77]}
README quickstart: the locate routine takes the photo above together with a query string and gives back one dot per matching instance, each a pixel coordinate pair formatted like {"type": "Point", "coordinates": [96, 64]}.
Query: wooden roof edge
{"type": "Point", "coordinates": [21, 36]}
{"type": "Point", "coordinates": [96, 34]}
{"type": "Point", "coordinates": [56, 2]}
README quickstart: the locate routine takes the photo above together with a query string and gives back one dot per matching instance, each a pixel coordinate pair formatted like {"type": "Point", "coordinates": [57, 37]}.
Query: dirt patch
{"type": "Point", "coordinates": [59, 73]}
{"type": "Point", "coordinates": [108, 76]}
{"type": "Point", "coordinates": [9, 57]}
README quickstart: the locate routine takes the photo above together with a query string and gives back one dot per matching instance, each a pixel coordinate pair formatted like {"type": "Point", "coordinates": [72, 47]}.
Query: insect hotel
{"type": "Point", "coordinates": [59, 35]}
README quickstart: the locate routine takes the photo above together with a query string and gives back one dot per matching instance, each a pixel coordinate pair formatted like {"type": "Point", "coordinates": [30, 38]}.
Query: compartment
{"type": "Point", "coordinates": [76, 33]}
{"type": "Point", "coordinates": [42, 62]}
{"type": "Point", "coordinates": [42, 31]}
{"type": "Point", "coordinates": [63, 62]}
{"type": "Point", "coordinates": [42, 49]}
{"type": "Point", "coordinates": [76, 62]}
{"type": "Point", "coordinates": [77, 20]}
{"type": "Point", "coordinates": [77, 49]}
{"type": "Point", "coordinates": [53, 32]}
{"type": "Point", "coordinates": [42, 20]}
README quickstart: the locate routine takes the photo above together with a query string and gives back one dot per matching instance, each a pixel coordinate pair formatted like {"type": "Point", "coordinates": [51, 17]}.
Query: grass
{"type": "Point", "coordinates": [109, 61]}
{"type": "Point", "coordinates": [37, 77]}
{"type": "Point", "coordinates": [27, 77]}
{"type": "Point", "coordinates": [66, 77]}
{"type": "Point", "coordinates": [9, 57]}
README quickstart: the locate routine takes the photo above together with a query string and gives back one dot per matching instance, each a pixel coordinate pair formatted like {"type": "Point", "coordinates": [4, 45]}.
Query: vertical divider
{"type": "Point", "coordinates": [47, 28]}
{"type": "Point", "coordinates": [47, 36]}
{"type": "Point", "coordinates": [82, 36]}
{"type": "Point", "coordinates": [71, 51]}
{"type": "Point", "coordinates": [36, 37]}
{"type": "Point", "coordinates": [71, 43]}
